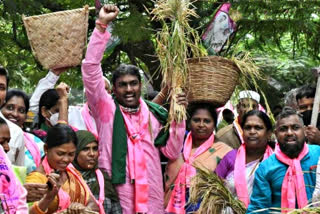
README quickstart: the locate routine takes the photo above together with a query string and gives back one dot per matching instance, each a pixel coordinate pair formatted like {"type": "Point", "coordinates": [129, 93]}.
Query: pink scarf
{"type": "Point", "coordinates": [13, 195]}
{"type": "Point", "coordinates": [293, 183]}
{"type": "Point", "coordinates": [32, 147]}
{"type": "Point", "coordinates": [88, 120]}
{"type": "Point", "coordinates": [101, 192]}
{"type": "Point", "coordinates": [64, 198]}
{"type": "Point", "coordinates": [137, 163]}
{"type": "Point", "coordinates": [177, 199]}
{"type": "Point", "coordinates": [240, 180]}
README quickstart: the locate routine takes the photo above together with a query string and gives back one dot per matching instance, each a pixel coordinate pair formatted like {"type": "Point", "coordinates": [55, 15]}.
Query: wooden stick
{"type": "Point", "coordinates": [315, 109]}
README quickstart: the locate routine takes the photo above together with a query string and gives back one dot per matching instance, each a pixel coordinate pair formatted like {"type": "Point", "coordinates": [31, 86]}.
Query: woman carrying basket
{"type": "Point", "coordinates": [199, 150]}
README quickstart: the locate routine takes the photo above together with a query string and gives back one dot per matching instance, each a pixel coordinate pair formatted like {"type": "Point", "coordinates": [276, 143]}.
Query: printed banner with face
{"type": "Point", "coordinates": [219, 30]}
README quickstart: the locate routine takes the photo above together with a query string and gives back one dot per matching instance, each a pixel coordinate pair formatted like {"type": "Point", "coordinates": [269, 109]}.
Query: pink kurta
{"type": "Point", "coordinates": [13, 196]}
{"type": "Point", "coordinates": [103, 110]}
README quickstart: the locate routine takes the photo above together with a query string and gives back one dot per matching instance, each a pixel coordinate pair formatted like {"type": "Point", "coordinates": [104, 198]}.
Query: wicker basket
{"type": "Point", "coordinates": [58, 39]}
{"type": "Point", "coordinates": [211, 79]}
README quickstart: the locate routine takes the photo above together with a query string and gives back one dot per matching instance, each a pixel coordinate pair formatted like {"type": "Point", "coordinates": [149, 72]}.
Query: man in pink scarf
{"type": "Point", "coordinates": [139, 179]}
{"type": "Point", "coordinates": [287, 178]}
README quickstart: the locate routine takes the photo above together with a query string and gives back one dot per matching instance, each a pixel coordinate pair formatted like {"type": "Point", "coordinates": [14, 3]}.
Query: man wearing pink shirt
{"type": "Point", "coordinates": [130, 130]}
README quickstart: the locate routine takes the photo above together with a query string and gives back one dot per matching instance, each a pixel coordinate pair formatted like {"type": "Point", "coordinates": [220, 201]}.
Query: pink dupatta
{"type": "Point", "coordinates": [12, 193]}
{"type": "Point", "coordinates": [101, 192]}
{"type": "Point", "coordinates": [177, 199]}
{"type": "Point", "coordinates": [64, 198]}
{"type": "Point", "coordinates": [32, 147]}
{"type": "Point", "coordinates": [240, 180]}
{"type": "Point", "coordinates": [137, 163]}
{"type": "Point", "coordinates": [85, 112]}
{"type": "Point", "coordinates": [293, 185]}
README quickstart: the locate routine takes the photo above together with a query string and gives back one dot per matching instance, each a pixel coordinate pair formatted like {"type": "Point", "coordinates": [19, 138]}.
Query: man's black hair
{"type": "Point", "coordinates": [125, 69]}
{"type": "Point", "coordinates": [4, 72]}
{"type": "Point", "coordinates": [287, 111]}
{"type": "Point", "coordinates": [306, 91]}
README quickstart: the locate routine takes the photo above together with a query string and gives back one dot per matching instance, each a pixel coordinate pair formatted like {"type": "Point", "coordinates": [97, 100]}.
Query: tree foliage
{"type": "Point", "coordinates": [281, 35]}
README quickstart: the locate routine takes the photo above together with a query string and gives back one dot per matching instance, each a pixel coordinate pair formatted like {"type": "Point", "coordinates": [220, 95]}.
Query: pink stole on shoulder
{"type": "Point", "coordinates": [293, 185]}
{"type": "Point", "coordinates": [177, 199]}
{"type": "Point", "coordinates": [64, 198]}
{"type": "Point", "coordinates": [101, 192]}
{"type": "Point", "coordinates": [85, 112]}
{"type": "Point", "coordinates": [12, 192]}
{"type": "Point", "coordinates": [137, 163]}
{"type": "Point", "coordinates": [32, 147]}
{"type": "Point", "coordinates": [240, 180]}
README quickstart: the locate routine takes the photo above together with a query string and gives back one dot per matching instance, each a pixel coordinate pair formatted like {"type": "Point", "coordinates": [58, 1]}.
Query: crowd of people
{"type": "Point", "coordinates": [106, 156]}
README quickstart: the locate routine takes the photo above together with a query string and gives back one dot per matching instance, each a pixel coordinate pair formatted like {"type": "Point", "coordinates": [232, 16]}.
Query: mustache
{"type": "Point", "coordinates": [290, 138]}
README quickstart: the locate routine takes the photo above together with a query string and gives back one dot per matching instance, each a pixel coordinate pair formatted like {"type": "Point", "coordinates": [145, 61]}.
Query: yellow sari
{"type": "Point", "coordinates": [72, 186]}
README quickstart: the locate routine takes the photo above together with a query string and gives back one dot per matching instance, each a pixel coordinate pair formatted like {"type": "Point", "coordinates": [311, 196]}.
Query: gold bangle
{"type": "Point", "coordinates": [62, 122]}
{"type": "Point", "coordinates": [37, 209]}
{"type": "Point", "coordinates": [161, 95]}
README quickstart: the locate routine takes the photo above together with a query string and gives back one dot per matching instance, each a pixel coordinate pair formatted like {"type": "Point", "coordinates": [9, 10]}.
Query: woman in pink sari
{"type": "Point", "coordinates": [238, 166]}
{"type": "Point", "coordinates": [12, 193]}
{"type": "Point", "coordinates": [199, 150]}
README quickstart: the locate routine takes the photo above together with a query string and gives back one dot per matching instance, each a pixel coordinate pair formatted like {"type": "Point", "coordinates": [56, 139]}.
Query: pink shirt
{"type": "Point", "coordinates": [103, 109]}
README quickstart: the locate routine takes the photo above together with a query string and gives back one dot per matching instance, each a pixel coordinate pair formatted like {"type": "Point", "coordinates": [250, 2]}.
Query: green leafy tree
{"type": "Point", "coordinates": [281, 35]}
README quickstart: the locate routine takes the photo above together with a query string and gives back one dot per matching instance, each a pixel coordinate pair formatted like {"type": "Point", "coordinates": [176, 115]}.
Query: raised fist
{"type": "Point", "coordinates": [108, 13]}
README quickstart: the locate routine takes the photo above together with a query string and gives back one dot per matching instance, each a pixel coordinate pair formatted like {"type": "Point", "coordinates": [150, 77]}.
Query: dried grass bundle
{"type": "Point", "coordinates": [175, 43]}
{"type": "Point", "coordinates": [215, 195]}
{"type": "Point", "coordinates": [250, 74]}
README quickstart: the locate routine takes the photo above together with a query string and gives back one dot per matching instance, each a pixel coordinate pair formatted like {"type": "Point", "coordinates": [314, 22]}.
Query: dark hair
{"type": "Point", "coordinates": [306, 91]}
{"type": "Point", "coordinates": [228, 115]}
{"type": "Point", "coordinates": [287, 111]}
{"type": "Point", "coordinates": [3, 122]}
{"type": "Point", "coordinates": [125, 69]}
{"type": "Point", "coordinates": [4, 72]}
{"type": "Point", "coordinates": [18, 93]}
{"type": "Point", "coordinates": [263, 116]}
{"type": "Point", "coordinates": [193, 107]}
{"type": "Point", "coordinates": [60, 134]}
{"type": "Point", "coordinates": [48, 99]}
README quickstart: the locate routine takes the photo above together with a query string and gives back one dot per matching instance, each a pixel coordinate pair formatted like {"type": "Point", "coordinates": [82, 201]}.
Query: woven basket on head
{"type": "Point", "coordinates": [58, 39]}
{"type": "Point", "coordinates": [211, 79]}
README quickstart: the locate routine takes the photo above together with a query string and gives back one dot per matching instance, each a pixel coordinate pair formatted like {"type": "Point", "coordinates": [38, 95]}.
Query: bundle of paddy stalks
{"type": "Point", "coordinates": [249, 75]}
{"type": "Point", "coordinates": [176, 42]}
{"type": "Point", "coordinates": [309, 210]}
{"type": "Point", "coordinates": [312, 208]}
{"type": "Point", "coordinates": [214, 194]}
{"type": "Point", "coordinates": [185, 65]}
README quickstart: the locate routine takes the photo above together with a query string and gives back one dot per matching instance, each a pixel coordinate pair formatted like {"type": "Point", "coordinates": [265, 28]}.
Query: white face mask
{"type": "Point", "coordinates": [53, 118]}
